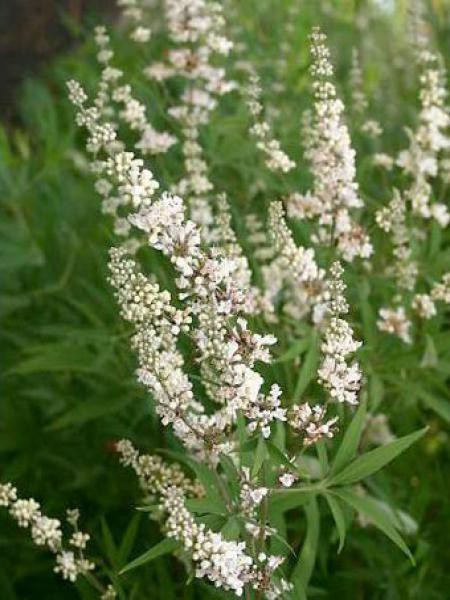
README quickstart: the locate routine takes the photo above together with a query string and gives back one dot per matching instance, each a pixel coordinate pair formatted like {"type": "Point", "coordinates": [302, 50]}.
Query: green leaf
{"type": "Point", "coordinates": [283, 500]}
{"type": "Point", "coordinates": [90, 410]}
{"type": "Point", "coordinates": [109, 543]}
{"type": "Point", "coordinates": [295, 350]}
{"type": "Point", "coordinates": [208, 479]}
{"type": "Point", "coordinates": [350, 442]}
{"type": "Point", "coordinates": [260, 456]}
{"type": "Point", "coordinates": [339, 518]}
{"type": "Point", "coordinates": [307, 369]}
{"type": "Point", "coordinates": [367, 506]}
{"type": "Point", "coordinates": [211, 505]}
{"type": "Point", "coordinates": [231, 529]}
{"type": "Point", "coordinates": [305, 565]}
{"type": "Point", "coordinates": [214, 522]}
{"type": "Point", "coordinates": [430, 357]}
{"type": "Point", "coordinates": [279, 457]}
{"type": "Point", "coordinates": [368, 317]}
{"type": "Point", "coordinates": [164, 547]}
{"type": "Point", "coordinates": [373, 461]}
{"type": "Point", "coordinates": [129, 538]}
{"type": "Point", "coordinates": [231, 473]}
{"type": "Point", "coordinates": [376, 392]}
{"type": "Point", "coordinates": [322, 455]}
{"type": "Point", "coordinates": [439, 405]}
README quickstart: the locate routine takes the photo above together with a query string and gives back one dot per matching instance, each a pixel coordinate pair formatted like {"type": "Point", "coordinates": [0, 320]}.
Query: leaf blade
{"type": "Point", "coordinates": [373, 461]}
{"type": "Point", "coordinates": [350, 441]}
{"type": "Point", "coordinates": [164, 547]}
{"type": "Point", "coordinates": [368, 507]}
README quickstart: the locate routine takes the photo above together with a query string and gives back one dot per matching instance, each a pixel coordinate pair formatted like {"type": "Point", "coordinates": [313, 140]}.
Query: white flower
{"type": "Point", "coordinates": [287, 479]}
{"type": "Point", "coordinates": [309, 421]}
{"type": "Point", "coordinates": [8, 494]}
{"type": "Point", "coordinates": [79, 539]}
{"type": "Point", "coordinates": [395, 322]}
{"type": "Point", "coordinates": [424, 306]}
{"type": "Point", "coordinates": [141, 34]}
{"type": "Point", "coordinates": [66, 565]}
{"type": "Point", "coordinates": [263, 410]}
{"type": "Point", "coordinates": [155, 142]}
{"type": "Point", "coordinates": [441, 289]}
{"type": "Point", "coordinates": [329, 151]}
{"type": "Point", "coordinates": [383, 160]}
{"type": "Point", "coordinates": [25, 511]}
{"type": "Point", "coordinates": [276, 158]}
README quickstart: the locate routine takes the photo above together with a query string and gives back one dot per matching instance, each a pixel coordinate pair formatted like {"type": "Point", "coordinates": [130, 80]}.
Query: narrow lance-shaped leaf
{"type": "Point", "coordinates": [164, 547]}
{"type": "Point", "coordinates": [231, 473]}
{"type": "Point", "coordinates": [296, 348]}
{"type": "Point", "coordinates": [304, 568]}
{"type": "Point", "coordinates": [367, 506]}
{"type": "Point", "coordinates": [373, 461]}
{"type": "Point", "coordinates": [439, 405]}
{"type": "Point", "coordinates": [307, 369]}
{"type": "Point", "coordinates": [260, 456]}
{"type": "Point", "coordinates": [126, 545]}
{"type": "Point", "coordinates": [339, 518]}
{"type": "Point", "coordinates": [350, 441]}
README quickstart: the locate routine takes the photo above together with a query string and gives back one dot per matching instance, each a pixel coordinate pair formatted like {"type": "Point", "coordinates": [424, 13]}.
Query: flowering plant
{"type": "Point", "coordinates": [249, 350]}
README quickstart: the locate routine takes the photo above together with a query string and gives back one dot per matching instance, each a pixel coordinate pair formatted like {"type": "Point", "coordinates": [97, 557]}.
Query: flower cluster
{"type": "Point", "coordinates": [359, 101]}
{"type": "Point", "coordinates": [310, 422]}
{"type": "Point", "coordinates": [329, 151]}
{"type": "Point", "coordinates": [119, 180]}
{"type": "Point", "coordinates": [341, 380]}
{"type": "Point", "coordinates": [264, 409]}
{"type": "Point", "coordinates": [392, 220]}
{"type": "Point", "coordinates": [156, 476]}
{"type": "Point", "coordinates": [298, 260]}
{"type": "Point", "coordinates": [225, 563]}
{"type": "Point", "coordinates": [421, 160]}
{"type": "Point", "coordinates": [196, 30]}
{"type": "Point", "coordinates": [424, 305]}
{"type": "Point", "coordinates": [395, 322]}
{"type": "Point", "coordinates": [134, 13]}
{"type": "Point", "coordinates": [250, 495]}
{"type": "Point", "coordinates": [276, 158]}
{"type": "Point", "coordinates": [47, 532]}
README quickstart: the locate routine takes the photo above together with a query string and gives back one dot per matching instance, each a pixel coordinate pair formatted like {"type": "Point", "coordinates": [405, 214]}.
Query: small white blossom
{"type": "Point", "coordinates": [395, 322]}
{"type": "Point", "coordinates": [8, 494]}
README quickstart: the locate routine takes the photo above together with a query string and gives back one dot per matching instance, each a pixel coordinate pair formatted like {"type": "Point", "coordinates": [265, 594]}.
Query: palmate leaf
{"type": "Point", "coordinates": [369, 507]}
{"type": "Point", "coordinates": [166, 546]}
{"type": "Point", "coordinates": [373, 461]}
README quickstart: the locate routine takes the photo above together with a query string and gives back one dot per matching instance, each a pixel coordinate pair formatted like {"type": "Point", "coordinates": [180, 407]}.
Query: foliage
{"type": "Point", "coordinates": [69, 390]}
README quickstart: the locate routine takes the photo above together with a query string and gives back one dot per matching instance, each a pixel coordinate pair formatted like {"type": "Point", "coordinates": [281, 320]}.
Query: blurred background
{"type": "Point", "coordinates": [67, 387]}
{"type": "Point", "coordinates": [32, 32]}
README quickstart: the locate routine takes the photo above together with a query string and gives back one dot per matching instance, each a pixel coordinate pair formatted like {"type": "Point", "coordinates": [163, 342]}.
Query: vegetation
{"type": "Point", "coordinates": [351, 521]}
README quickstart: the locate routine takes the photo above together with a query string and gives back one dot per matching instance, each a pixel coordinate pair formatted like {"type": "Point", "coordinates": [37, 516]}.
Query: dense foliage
{"type": "Point", "coordinates": [280, 264]}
